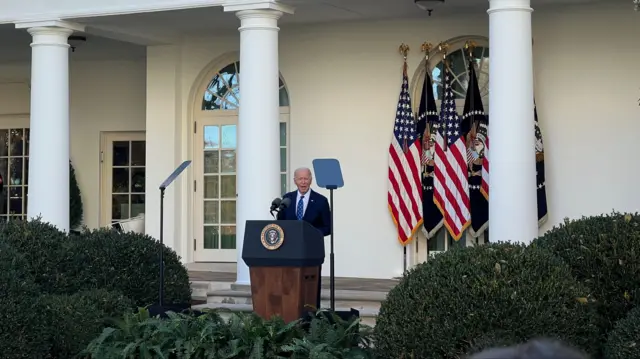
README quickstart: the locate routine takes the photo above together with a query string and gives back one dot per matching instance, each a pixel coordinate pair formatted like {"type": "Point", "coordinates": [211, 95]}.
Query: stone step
{"type": "Point", "coordinates": [367, 316]}
{"type": "Point", "coordinates": [357, 299]}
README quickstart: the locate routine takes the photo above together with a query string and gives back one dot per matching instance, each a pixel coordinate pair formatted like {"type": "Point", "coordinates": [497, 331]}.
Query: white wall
{"type": "Point", "coordinates": [105, 96]}
{"type": "Point", "coordinates": [344, 79]}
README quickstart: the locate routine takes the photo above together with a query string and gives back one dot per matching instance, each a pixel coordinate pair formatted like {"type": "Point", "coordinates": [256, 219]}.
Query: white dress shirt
{"type": "Point", "coordinates": [305, 201]}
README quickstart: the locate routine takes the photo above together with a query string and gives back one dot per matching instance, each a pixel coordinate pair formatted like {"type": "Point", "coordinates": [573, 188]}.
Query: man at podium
{"type": "Point", "coordinates": [308, 205]}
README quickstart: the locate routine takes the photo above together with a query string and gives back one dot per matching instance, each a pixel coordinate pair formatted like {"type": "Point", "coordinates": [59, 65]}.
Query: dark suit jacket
{"type": "Point", "coordinates": [318, 212]}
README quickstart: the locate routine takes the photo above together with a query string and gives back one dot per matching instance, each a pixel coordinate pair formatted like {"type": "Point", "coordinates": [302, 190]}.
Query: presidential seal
{"type": "Point", "coordinates": [272, 237]}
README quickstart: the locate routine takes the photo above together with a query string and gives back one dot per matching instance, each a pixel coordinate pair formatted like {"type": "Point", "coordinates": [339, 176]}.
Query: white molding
{"type": "Point", "coordinates": [241, 5]}
{"type": "Point", "coordinates": [110, 10]}
{"type": "Point", "coordinates": [133, 36]}
{"type": "Point", "coordinates": [51, 24]}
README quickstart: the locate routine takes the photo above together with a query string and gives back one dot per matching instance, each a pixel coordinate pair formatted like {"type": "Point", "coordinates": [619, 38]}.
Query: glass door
{"type": "Point", "coordinates": [215, 192]}
{"type": "Point", "coordinates": [123, 176]}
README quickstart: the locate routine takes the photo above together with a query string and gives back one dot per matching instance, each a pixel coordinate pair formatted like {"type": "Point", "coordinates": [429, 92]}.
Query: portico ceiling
{"type": "Point", "coordinates": [119, 36]}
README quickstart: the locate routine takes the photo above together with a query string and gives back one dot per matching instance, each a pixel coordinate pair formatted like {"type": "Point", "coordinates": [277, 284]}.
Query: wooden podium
{"type": "Point", "coordinates": [284, 259]}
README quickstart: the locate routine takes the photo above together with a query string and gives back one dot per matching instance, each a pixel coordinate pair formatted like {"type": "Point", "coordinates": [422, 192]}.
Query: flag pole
{"type": "Point", "coordinates": [426, 48]}
{"type": "Point", "coordinates": [442, 48]}
{"type": "Point", "coordinates": [404, 51]}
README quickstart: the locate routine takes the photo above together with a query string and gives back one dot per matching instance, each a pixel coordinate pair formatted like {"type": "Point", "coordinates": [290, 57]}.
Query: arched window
{"type": "Point", "coordinates": [459, 62]}
{"type": "Point", "coordinates": [223, 91]}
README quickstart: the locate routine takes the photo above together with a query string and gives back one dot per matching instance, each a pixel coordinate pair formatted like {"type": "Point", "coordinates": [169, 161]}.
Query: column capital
{"type": "Point", "coordinates": [509, 5]}
{"type": "Point", "coordinates": [269, 6]}
{"type": "Point", "coordinates": [51, 25]}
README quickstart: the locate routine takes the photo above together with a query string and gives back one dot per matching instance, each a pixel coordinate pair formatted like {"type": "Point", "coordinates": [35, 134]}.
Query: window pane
{"type": "Point", "coordinates": [211, 237]}
{"type": "Point", "coordinates": [283, 159]}
{"type": "Point", "coordinates": [284, 97]}
{"type": "Point", "coordinates": [211, 187]}
{"type": "Point", "coordinates": [228, 186]}
{"type": "Point", "coordinates": [210, 212]}
{"type": "Point", "coordinates": [211, 162]}
{"type": "Point", "coordinates": [283, 134]}
{"type": "Point", "coordinates": [229, 137]}
{"type": "Point", "coordinates": [228, 212]}
{"type": "Point", "coordinates": [228, 237]}
{"type": "Point", "coordinates": [137, 179]}
{"type": "Point", "coordinates": [211, 137]}
{"type": "Point", "coordinates": [228, 164]}
{"type": "Point", "coordinates": [119, 206]}
{"type": "Point", "coordinates": [120, 180]}
{"type": "Point", "coordinates": [4, 142]}
{"type": "Point", "coordinates": [283, 184]}
{"type": "Point", "coordinates": [437, 243]}
{"type": "Point", "coordinates": [15, 170]}
{"type": "Point", "coordinates": [138, 153]}
{"type": "Point", "coordinates": [121, 153]}
{"type": "Point", "coordinates": [137, 204]}
{"type": "Point", "coordinates": [17, 142]}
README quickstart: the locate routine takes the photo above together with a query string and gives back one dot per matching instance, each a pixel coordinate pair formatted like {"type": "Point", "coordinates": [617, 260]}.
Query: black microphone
{"type": "Point", "coordinates": [275, 203]}
{"type": "Point", "coordinates": [284, 204]}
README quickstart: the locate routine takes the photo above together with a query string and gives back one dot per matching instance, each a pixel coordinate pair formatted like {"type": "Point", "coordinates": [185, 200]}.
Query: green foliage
{"type": "Point", "coordinates": [74, 320]}
{"type": "Point", "coordinates": [128, 263]}
{"type": "Point", "coordinates": [75, 200]}
{"type": "Point", "coordinates": [48, 253]}
{"type": "Point", "coordinates": [445, 307]}
{"type": "Point", "coordinates": [22, 334]}
{"type": "Point", "coordinates": [243, 336]}
{"type": "Point", "coordinates": [624, 340]}
{"type": "Point", "coordinates": [603, 253]}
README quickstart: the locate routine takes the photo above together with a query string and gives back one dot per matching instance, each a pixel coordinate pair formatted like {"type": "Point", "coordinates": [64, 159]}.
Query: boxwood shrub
{"type": "Point", "coordinates": [624, 340]}
{"type": "Point", "coordinates": [22, 331]}
{"type": "Point", "coordinates": [128, 263]}
{"type": "Point", "coordinates": [603, 253]}
{"type": "Point", "coordinates": [445, 308]}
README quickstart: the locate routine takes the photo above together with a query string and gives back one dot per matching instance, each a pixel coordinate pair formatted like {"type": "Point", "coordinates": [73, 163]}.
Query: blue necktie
{"type": "Point", "coordinates": [300, 208]}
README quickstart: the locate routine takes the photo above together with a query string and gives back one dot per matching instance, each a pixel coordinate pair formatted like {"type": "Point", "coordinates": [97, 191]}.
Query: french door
{"type": "Point", "coordinates": [123, 160]}
{"type": "Point", "coordinates": [215, 187]}
{"type": "Point", "coordinates": [215, 151]}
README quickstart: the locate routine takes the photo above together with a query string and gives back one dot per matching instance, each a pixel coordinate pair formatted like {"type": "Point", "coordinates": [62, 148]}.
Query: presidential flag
{"type": "Point", "coordinates": [540, 176]}
{"type": "Point", "coordinates": [476, 128]}
{"type": "Point", "coordinates": [451, 186]}
{"type": "Point", "coordinates": [427, 119]}
{"type": "Point", "coordinates": [405, 193]}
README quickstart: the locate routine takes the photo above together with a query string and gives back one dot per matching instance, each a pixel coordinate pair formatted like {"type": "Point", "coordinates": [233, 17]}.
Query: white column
{"type": "Point", "coordinates": [258, 164]}
{"type": "Point", "coordinates": [49, 124]}
{"type": "Point", "coordinates": [512, 190]}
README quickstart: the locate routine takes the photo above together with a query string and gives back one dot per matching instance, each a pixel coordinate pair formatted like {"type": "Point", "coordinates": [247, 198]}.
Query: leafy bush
{"type": "Point", "coordinates": [22, 333]}
{"type": "Point", "coordinates": [74, 320]}
{"type": "Point", "coordinates": [624, 339]}
{"type": "Point", "coordinates": [243, 336]}
{"type": "Point", "coordinates": [75, 199]}
{"type": "Point", "coordinates": [127, 263]}
{"type": "Point", "coordinates": [446, 306]}
{"type": "Point", "coordinates": [603, 253]}
{"type": "Point", "coordinates": [48, 253]}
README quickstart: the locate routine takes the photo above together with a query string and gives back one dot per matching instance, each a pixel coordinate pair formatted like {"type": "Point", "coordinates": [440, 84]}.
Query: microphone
{"type": "Point", "coordinates": [274, 204]}
{"type": "Point", "coordinates": [284, 204]}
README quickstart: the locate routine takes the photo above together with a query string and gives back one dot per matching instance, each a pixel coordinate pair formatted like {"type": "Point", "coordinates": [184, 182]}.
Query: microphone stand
{"type": "Point", "coordinates": [332, 273]}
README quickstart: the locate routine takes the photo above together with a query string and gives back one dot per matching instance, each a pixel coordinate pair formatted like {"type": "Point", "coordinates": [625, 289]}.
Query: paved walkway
{"type": "Point", "coordinates": [363, 284]}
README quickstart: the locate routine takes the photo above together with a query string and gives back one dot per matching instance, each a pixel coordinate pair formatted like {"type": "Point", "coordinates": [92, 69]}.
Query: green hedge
{"type": "Point", "coordinates": [603, 253]}
{"type": "Point", "coordinates": [22, 332]}
{"type": "Point", "coordinates": [98, 259]}
{"type": "Point", "coordinates": [449, 305]}
{"type": "Point", "coordinates": [624, 341]}
{"type": "Point", "coordinates": [128, 263]}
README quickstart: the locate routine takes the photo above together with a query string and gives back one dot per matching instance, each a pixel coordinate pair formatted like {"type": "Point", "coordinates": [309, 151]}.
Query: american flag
{"type": "Point", "coordinates": [405, 188]}
{"type": "Point", "coordinates": [450, 183]}
{"type": "Point", "coordinates": [485, 169]}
